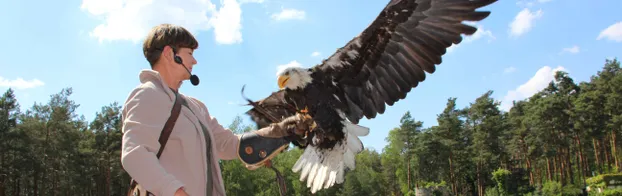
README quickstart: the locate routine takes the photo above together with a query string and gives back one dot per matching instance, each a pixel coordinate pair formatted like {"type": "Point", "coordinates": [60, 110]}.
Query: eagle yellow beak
{"type": "Point", "coordinates": [282, 81]}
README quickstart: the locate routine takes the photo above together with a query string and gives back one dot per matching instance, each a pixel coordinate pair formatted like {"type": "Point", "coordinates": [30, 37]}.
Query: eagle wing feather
{"type": "Point", "coordinates": [392, 55]}
{"type": "Point", "coordinates": [275, 105]}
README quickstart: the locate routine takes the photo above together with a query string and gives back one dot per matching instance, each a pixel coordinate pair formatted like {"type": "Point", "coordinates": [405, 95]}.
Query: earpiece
{"type": "Point", "coordinates": [177, 59]}
{"type": "Point", "coordinates": [194, 79]}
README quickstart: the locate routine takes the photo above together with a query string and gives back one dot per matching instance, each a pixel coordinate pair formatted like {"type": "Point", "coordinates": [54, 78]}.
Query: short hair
{"type": "Point", "coordinates": [166, 35]}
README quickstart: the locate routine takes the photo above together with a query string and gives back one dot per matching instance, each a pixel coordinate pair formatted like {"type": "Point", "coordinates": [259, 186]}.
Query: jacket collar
{"type": "Point", "coordinates": [148, 75]}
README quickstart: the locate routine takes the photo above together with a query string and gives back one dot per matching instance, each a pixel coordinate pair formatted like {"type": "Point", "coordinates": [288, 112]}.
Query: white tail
{"type": "Point", "coordinates": [324, 168]}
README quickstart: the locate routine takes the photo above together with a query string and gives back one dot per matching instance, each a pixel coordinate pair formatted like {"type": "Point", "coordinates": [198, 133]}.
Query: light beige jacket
{"type": "Point", "coordinates": [183, 161]}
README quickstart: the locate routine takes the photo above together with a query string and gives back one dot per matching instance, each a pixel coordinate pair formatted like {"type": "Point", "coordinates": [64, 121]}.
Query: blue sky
{"type": "Point", "coordinates": [94, 46]}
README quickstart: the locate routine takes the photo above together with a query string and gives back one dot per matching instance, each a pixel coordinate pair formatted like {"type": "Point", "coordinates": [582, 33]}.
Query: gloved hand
{"type": "Point", "coordinates": [293, 124]}
{"type": "Point", "coordinates": [259, 146]}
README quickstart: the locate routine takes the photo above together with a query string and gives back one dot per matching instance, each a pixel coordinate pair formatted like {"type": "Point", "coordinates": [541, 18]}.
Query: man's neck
{"type": "Point", "coordinates": [168, 78]}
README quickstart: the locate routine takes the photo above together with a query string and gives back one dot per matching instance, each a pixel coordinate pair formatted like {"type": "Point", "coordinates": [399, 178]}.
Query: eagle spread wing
{"type": "Point", "coordinates": [388, 59]}
{"type": "Point", "coordinates": [379, 66]}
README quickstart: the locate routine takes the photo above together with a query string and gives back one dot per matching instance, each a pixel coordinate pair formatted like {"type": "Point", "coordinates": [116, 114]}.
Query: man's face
{"type": "Point", "coordinates": [188, 60]}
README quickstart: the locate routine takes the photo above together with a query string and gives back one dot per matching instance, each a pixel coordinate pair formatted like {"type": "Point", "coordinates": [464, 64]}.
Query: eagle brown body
{"type": "Point", "coordinates": [375, 69]}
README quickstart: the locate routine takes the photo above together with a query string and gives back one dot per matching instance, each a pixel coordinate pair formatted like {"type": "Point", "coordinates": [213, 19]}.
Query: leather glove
{"type": "Point", "coordinates": [297, 124]}
{"type": "Point", "coordinates": [256, 151]}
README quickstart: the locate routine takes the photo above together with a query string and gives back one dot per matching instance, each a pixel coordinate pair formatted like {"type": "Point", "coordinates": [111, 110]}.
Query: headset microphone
{"type": "Point", "coordinates": [194, 79]}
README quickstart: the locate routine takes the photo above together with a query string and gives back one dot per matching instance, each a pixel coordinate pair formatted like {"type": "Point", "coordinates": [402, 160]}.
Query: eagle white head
{"type": "Point", "coordinates": [294, 78]}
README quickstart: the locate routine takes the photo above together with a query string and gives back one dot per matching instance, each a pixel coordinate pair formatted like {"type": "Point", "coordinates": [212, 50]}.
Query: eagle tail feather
{"type": "Point", "coordinates": [323, 168]}
{"type": "Point", "coordinates": [357, 130]}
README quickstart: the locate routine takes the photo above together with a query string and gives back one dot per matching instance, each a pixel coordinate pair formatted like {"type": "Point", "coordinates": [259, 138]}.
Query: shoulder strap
{"type": "Point", "coordinates": [166, 132]}
{"type": "Point", "coordinates": [170, 123]}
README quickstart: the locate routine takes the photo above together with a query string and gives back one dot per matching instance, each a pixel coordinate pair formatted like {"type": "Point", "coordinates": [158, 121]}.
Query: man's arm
{"type": "Point", "coordinates": [225, 141]}
{"type": "Point", "coordinates": [268, 139]}
{"type": "Point", "coordinates": [145, 113]}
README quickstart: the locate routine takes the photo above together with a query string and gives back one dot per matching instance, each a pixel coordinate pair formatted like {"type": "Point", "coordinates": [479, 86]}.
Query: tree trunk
{"type": "Point", "coordinates": [107, 192]}
{"type": "Point", "coordinates": [452, 177]}
{"type": "Point", "coordinates": [18, 188]}
{"type": "Point", "coordinates": [528, 161]}
{"type": "Point", "coordinates": [2, 173]}
{"type": "Point", "coordinates": [565, 166]}
{"type": "Point", "coordinates": [559, 167]}
{"type": "Point", "coordinates": [539, 174]}
{"type": "Point", "coordinates": [581, 157]}
{"type": "Point", "coordinates": [603, 145]}
{"type": "Point", "coordinates": [613, 150]}
{"type": "Point", "coordinates": [408, 170]}
{"type": "Point", "coordinates": [36, 182]}
{"type": "Point", "coordinates": [579, 163]}
{"type": "Point", "coordinates": [529, 168]}
{"type": "Point", "coordinates": [55, 178]}
{"type": "Point", "coordinates": [597, 155]}
{"type": "Point", "coordinates": [569, 164]}
{"type": "Point", "coordinates": [548, 169]}
{"type": "Point", "coordinates": [587, 164]}
{"type": "Point", "coordinates": [416, 182]}
{"type": "Point", "coordinates": [480, 189]}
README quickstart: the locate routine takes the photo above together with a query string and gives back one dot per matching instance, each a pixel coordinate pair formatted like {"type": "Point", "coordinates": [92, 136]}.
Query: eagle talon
{"type": "Point", "coordinates": [304, 114]}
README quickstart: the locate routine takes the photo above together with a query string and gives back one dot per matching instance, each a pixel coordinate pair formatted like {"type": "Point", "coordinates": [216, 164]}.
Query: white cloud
{"type": "Point", "coordinates": [289, 14]}
{"type": "Point", "coordinates": [315, 54]}
{"type": "Point", "coordinates": [523, 22]}
{"type": "Point", "coordinates": [539, 81]}
{"type": "Point", "coordinates": [251, 1]}
{"type": "Point", "coordinates": [131, 20]}
{"type": "Point", "coordinates": [613, 32]}
{"type": "Point", "coordinates": [573, 50]}
{"type": "Point", "coordinates": [529, 3]}
{"type": "Point", "coordinates": [20, 83]}
{"type": "Point", "coordinates": [479, 34]}
{"type": "Point", "coordinates": [281, 68]}
{"type": "Point", "coordinates": [509, 70]}
{"type": "Point", "coordinates": [525, 3]}
{"type": "Point", "coordinates": [227, 23]}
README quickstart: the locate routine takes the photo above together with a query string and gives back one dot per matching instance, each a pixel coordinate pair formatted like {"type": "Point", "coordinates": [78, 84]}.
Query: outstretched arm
{"type": "Point", "coordinates": [255, 147]}
{"type": "Point", "coordinates": [225, 141]}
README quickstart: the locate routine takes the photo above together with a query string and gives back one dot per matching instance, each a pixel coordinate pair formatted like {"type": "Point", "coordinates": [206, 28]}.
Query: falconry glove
{"type": "Point", "coordinates": [259, 146]}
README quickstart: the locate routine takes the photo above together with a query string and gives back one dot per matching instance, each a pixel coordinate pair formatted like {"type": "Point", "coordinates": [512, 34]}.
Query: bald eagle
{"type": "Point", "coordinates": [374, 69]}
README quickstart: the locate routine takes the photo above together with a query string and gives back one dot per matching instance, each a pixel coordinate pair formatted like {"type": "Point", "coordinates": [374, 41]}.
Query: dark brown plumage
{"type": "Point", "coordinates": [377, 68]}
{"type": "Point", "coordinates": [406, 39]}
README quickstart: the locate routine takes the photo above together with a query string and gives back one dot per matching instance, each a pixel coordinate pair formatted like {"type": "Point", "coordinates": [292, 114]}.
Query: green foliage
{"type": "Point", "coordinates": [572, 190]}
{"type": "Point", "coordinates": [552, 188]}
{"type": "Point", "coordinates": [611, 192]}
{"type": "Point", "coordinates": [605, 180]}
{"type": "Point", "coordinates": [492, 191]}
{"type": "Point", "coordinates": [547, 144]}
{"type": "Point", "coordinates": [502, 178]}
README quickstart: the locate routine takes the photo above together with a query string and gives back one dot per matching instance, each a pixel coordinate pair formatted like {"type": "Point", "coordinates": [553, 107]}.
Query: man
{"type": "Point", "coordinates": [188, 164]}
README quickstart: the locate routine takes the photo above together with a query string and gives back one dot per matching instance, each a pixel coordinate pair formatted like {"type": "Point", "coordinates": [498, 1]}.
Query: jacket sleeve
{"type": "Point", "coordinates": [225, 141]}
{"type": "Point", "coordinates": [144, 115]}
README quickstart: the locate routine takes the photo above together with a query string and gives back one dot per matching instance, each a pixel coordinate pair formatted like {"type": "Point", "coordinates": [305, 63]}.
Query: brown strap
{"type": "Point", "coordinates": [166, 132]}
{"type": "Point", "coordinates": [170, 123]}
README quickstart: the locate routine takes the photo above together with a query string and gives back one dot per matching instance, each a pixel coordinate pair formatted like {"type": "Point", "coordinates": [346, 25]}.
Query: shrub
{"type": "Point", "coordinates": [612, 192]}
{"type": "Point", "coordinates": [604, 180]}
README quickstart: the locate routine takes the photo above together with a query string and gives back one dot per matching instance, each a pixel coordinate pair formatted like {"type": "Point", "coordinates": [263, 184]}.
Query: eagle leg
{"type": "Point", "coordinates": [304, 113]}
{"type": "Point", "coordinates": [306, 116]}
